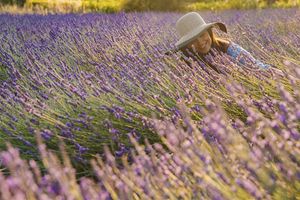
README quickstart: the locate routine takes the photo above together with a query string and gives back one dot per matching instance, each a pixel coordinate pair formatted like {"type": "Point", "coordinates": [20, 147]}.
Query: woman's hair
{"type": "Point", "coordinates": [219, 44]}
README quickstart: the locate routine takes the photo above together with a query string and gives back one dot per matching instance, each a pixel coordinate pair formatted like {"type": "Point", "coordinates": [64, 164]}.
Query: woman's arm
{"type": "Point", "coordinates": [243, 56]}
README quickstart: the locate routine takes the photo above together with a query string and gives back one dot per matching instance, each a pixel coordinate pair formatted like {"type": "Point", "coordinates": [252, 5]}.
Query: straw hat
{"type": "Point", "coordinates": [191, 25]}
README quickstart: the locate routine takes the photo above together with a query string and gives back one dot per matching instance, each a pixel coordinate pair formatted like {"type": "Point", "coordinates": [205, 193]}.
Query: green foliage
{"type": "Point", "coordinates": [3, 74]}
{"type": "Point", "coordinates": [222, 5]}
{"type": "Point", "coordinates": [157, 5]}
{"type": "Point", "coordinates": [243, 4]}
{"type": "Point", "coordinates": [110, 6]}
{"type": "Point", "coordinates": [18, 2]}
{"type": "Point", "coordinates": [238, 4]}
{"type": "Point", "coordinates": [286, 3]}
{"type": "Point", "coordinates": [114, 6]}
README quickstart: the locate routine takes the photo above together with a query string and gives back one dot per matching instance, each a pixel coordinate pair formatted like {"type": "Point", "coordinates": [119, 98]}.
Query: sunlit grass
{"type": "Point", "coordinates": [110, 6]}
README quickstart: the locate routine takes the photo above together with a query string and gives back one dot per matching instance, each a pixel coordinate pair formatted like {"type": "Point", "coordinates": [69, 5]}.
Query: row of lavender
{"type": "Point", "coordinates": [96, 80]}
{"type": "Point", "coordinates": [210, 159]}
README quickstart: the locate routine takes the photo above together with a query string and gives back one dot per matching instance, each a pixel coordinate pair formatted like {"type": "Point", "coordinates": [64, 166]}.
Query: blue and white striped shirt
{"type": "Point", "coordinates": [243, 56]}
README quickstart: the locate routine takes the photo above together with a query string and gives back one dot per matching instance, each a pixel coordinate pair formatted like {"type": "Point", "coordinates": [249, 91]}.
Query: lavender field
{"type": "Point", "coordinates": [93, 108]}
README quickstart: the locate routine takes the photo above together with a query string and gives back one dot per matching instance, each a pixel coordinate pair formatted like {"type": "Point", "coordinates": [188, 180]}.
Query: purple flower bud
{"type": "Point", "coordinates": [69, 124]}
{"type": "Point", "coordinates": [196, 108]}
{"type": "Point", "coordinates": [275, 126]}
{"type": "Point", "coordinates": [55, 188]}
{"type": "Point", "coordinates": [45, 96]}
{"type": "Point", "coordinates": [135, 134]}
{"type": "Point", "coordinates": [172, 138]}
{"type": "Point", "coordinates": [6, 158]}
{"type": "Point", "coordinates": [8, 132]}
{"type": "Point", "coordinates": [46, 134]}
{"type": "Point", "coordinates": [80, 159]}
{"type": "Point", "coordinates": [31, 130]}
{"type": "Point", "coordinates": [81, 149]}
{"type": "Point", "coordinates": [13, 183]}
{"type": "Point", "coordinates": [12, 126]}
{"type": "Point", "coordinates": [83, 115]}
{"type": "Point", "coordinates": [34, 121]}
{"type": "Point", "coordinates": [298, 114]}
{"type": "Point", "coordinates": [117, 115]}
{"type": "Point", "coordinates": [283, 119]}
{"type": "Point", "coordinates": [119, 153]}
{"type": "Point", "coordinates": [298, 175]}
{"type": "Point", "coordinates": [67, 133]}
{"type": "Point", "coordinates": [249, 186]}
{"type": "Point", "coordinates": [27, 143]}
{"type": "Point", "coordinates": [295, 134]}
{"type": "Point", "coordinates": [113, 131]}
{"type": "Point", "coordinates": [282, 107]}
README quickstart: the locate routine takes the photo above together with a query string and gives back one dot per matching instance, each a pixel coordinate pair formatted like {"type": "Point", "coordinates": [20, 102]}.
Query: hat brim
{"type": "Point", "coordinates": [197, 31]}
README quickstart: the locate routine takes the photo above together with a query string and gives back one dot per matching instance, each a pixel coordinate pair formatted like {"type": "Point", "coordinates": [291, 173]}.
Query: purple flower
{"type": "Point", "coordinates": [113, 131]}
{"type": "Point", "coordinates": [69, 124]}
{"type": "Point", "coordinates": [295, 134]}
{"type": "Point", "coordinates": [298, 175]}
{"type": "Point", "coordinates": [83, 115]}
{"type": "Point", "coordinates": [81, 149]}
{"type": "Point", "coordinates": [34, 121]}
{"type": "Point", "coordinates": [67, 133]}
{"type": "Point", "coordinates": [283, 119]}
{"type": "Point", "coordinates": [46, 134]}
{"type": "Point", "coordinates": [55, 188]}
{"type": "Point", "coordinates": [283, 107]}
{"type": "Point", "coordinates": [298, 114]}
{"type": "Point", "coordinates": [135, 134]}
{"type": "Point", "coordinates": [249, 186]}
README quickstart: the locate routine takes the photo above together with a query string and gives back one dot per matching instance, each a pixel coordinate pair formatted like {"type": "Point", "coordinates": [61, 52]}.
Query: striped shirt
{"type": "Point", "coordinates": [243, 56]}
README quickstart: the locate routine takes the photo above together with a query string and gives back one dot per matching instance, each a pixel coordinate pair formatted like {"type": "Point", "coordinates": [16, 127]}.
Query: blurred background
{"type": "Point", "coordinates": [111, 6]}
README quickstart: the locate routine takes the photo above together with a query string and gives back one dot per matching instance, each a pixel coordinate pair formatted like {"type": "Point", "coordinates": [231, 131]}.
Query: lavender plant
{"type": "Point", "coordinates": [97, 80]}
{"type": "Point", "coordinates": [214, 158]}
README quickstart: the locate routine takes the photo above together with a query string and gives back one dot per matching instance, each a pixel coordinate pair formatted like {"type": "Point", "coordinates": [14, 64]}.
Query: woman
{"type": "Point", "coordinates": [197, 40]}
